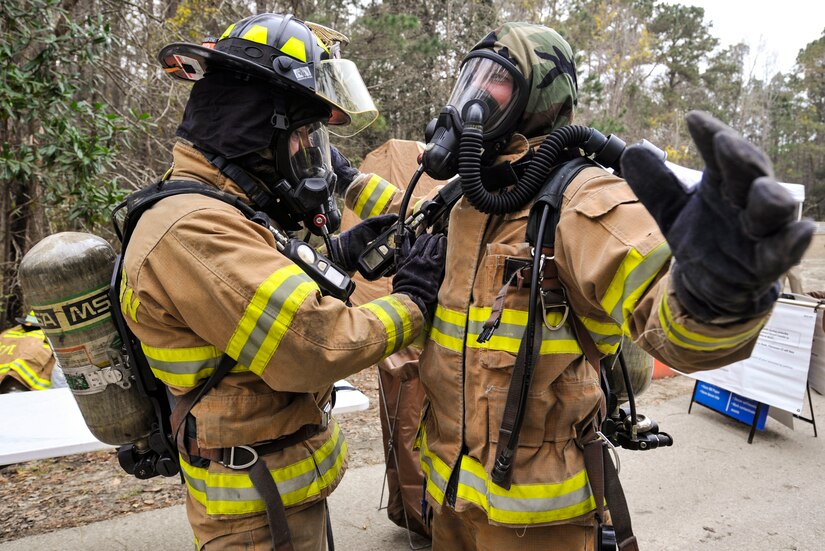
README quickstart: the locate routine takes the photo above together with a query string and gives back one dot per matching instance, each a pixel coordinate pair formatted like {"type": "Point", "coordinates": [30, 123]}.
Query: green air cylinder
{"type": "Point", "coordinates": [66, 278]}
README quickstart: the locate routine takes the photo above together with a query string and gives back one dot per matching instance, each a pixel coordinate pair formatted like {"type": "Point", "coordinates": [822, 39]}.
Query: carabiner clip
{"type": "Point", "coordinates": [544, 314]}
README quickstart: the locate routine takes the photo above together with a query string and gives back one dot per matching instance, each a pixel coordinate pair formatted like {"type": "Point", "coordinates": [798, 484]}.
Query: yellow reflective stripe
{"type": "Point", "coordinates": [374, 197]}
{"type": "Point", "coordinates": [294, 47]}
{"type": "Point", "coordinates": [268, 316]}
{"type": "Point", "coordinates": [524, 503]}
{"type": "Point", "coordinates": [680, 336]}
{"type": "Point", "coordinates": [436, 471]}
{"type": "Point", "coordinates": [227, 31]}
{"type": "Point", "coordinates": [396, 320]}
{"type": "Point", "coordinates": [510, 331]}
{"type": "Point", "coordinates": [631, 280]}
{"type": "Point", "coordinates": [256, 34]}
{"type": "Point", "coordinates": [29, 375]}
{"type": "Point", "coordinates": [234, 494]}
{"type": "Point", "coordinates": [607, 336]}
{"type": "Point", "coordinates": [127, 305]}
{"type": "Point", "coordinates": [448, 329]}
{"type": "Point", "coordinates": [185, 367]}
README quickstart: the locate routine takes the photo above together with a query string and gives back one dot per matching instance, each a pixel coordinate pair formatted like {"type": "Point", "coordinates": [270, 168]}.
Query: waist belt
{"type": "Point", "coordinates": [243, 457]}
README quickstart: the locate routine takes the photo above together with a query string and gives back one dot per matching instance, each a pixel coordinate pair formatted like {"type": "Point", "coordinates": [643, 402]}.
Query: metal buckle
{"type": "Point", "coordinates": [545, 307]}
{"type": "Point", "coordinates": [327, 415]}
{"type": "Point", "coordinates": [231, 463]}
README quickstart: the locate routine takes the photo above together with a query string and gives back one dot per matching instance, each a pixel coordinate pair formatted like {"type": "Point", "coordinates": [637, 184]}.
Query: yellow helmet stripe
{"type": "Point", "coordinates": [227, 31]}
{"type": "Point", "coordinates": [258, 33]}
{"type": "Point", "coordinates": [295, 47]}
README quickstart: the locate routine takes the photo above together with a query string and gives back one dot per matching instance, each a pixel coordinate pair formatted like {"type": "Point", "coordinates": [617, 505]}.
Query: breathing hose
{"type": "Point", "coordinates": [469, 167]}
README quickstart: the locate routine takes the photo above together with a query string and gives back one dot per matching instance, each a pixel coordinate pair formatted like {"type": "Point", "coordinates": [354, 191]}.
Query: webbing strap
{"type": "Point", "coordinates": [275, 513]}
{"type": "Point", "coordinates": [604, 480]}
{"type": "Point", "coordinates": [616, 502]}
{"type": "Point", "coordinates": [185, 404]}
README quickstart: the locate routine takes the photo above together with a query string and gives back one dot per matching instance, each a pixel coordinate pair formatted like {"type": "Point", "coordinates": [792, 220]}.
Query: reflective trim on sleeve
{"type": "Point", "coordinates": [396, 320]}
{"type": "Point", "coordinates": [631, 281]}
{"type": "Point", "coordinates": [684, 338]}
{"type": "Point", "coordinates": [522, 504]}
{"type": "Point", "coordinates": [232, 493]}
{"type": "Point", "coordinates": [268, 316]}
{"type": "Point", "coordinates": [185, 367]}
{"type": "Point", "coordinates": [373, 199]}
{"type": "Point", "coordinates": [128, 303]}
{"type": "Point", "coordinates": [29, 375]}
{"type": "Point", "coordinates": [607, 336]}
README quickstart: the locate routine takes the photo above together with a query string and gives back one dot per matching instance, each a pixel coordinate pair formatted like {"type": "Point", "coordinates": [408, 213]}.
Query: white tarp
{"type": "Point", "coordinates": [691, 177]}
{"type": "Point", "coordinates": [48, 423]}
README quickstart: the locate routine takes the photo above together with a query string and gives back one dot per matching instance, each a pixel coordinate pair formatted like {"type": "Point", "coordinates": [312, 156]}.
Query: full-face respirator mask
{"type": "Point", "coordinates": [489, 94]}
{"type": "Point", "coordinates": [303, 183]}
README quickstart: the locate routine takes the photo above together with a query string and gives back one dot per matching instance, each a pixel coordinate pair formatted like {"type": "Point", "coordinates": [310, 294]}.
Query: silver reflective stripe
{"type": "Point", "coordinates": [258, 336]}
{"type": "Point", "coordinates": [184, 367]}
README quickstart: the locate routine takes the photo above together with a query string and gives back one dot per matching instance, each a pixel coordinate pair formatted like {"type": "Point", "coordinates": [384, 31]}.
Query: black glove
{"type": "Point", "coordinates": [343, 170]}
{"type": "Point", "coordinates": [347, 247]}
{"type": "Point", "coordinates": [733, 235]}
{"type": "Point", "coordinates": [420, 273]}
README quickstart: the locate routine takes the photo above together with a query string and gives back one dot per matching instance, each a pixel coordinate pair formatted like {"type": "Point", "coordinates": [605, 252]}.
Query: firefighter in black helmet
{"type": "Point", "coordinates": [201, 282]}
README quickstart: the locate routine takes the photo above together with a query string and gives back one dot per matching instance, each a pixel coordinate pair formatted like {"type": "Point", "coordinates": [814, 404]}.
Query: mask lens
{"type": "Point", "coordinates": [484, 80]}
{"type": "Point", "coordinates": [309, 152]}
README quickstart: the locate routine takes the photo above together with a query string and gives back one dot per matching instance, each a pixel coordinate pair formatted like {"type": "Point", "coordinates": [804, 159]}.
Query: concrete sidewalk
{"type": "Point", "coordinates": [711, 491]}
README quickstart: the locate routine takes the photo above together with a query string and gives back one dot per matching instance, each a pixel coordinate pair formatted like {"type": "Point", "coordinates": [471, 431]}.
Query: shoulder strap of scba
{"type": "Point", "coordinates": [162, 441]}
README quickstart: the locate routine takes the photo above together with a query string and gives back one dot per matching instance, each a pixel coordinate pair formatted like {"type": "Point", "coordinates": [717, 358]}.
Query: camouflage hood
{"type": "Point", "coordinates": [546, 61]}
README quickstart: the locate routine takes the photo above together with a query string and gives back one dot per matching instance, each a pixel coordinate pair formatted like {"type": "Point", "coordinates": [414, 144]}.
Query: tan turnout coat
{"type": "Point", "coordinates": [201, 280]}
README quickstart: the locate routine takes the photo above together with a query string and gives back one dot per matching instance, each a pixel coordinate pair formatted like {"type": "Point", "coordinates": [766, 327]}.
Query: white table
{"type": "Point", "coordinates": [48, 423]}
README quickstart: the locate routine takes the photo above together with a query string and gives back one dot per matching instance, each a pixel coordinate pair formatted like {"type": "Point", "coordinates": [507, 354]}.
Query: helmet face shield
{"type": "Point", "coordinates": [339, 82]}
{"type": "Point", "coordinates": [309, 155]}
{"type": "Point", "coordinates": [495, 85]}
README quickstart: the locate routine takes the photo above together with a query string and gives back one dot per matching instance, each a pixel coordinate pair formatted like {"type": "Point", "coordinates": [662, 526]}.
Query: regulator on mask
{"type": "Point", "coordinates": [490, 94]}
{"type": "Point", "coordinates": [302, 153]}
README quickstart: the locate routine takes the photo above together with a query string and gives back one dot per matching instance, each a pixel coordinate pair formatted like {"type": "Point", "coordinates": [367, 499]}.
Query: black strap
{"type": "Point", "coordinates": [604, 480]}
{"type": "Point", "coordinates": [185, 404]}
{"type": "Point", "coordinates": [617, 503]}
{"type": "Point", "coordinates": [275, 513]}
{"type": "Point", "coordinates": [522, 375]}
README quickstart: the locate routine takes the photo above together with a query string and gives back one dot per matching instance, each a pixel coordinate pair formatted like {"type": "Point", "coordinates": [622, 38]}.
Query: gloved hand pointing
{"type": "Point", "coordinates": [347, 247]}
{"type": "Point", "coordinates": [733, 235]}
{"type": "Point", "coordinates": [420, 273]}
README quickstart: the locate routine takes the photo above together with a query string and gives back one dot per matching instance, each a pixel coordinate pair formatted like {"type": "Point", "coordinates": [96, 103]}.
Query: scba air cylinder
{"type": "Point", "coordinates": [66, 277]}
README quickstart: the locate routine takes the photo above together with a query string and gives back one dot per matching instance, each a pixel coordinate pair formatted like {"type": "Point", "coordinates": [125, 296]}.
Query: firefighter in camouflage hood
{"type": "Point", "coordinates": [202, 282]}
{"type": "Point", "coordinates": [688, 275]}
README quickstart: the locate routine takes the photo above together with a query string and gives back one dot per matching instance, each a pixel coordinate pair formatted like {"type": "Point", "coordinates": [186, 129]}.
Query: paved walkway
{"type": "Point", "coordinates": [711, 491]}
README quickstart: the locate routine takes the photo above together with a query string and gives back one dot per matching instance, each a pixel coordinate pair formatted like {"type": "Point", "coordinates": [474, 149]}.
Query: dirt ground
{"type": "Point", "coordinates": [49, 494]}
{"type": "Point", "coordinates": [46, 495]}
